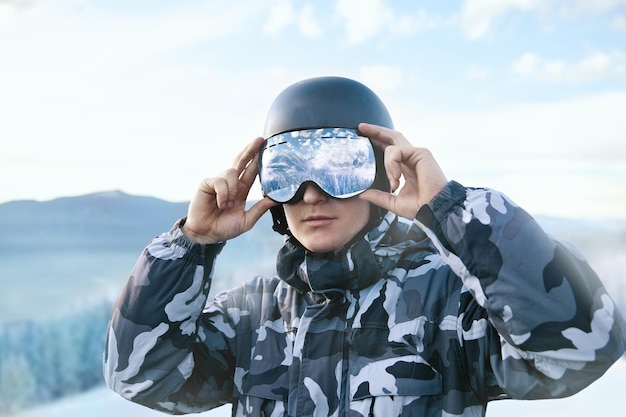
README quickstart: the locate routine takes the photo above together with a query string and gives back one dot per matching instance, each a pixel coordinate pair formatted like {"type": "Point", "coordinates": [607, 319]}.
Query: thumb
{"type": "Point", "coordinates": [380, 198]}
{"type": "Point", "coordinates": [257, 210]}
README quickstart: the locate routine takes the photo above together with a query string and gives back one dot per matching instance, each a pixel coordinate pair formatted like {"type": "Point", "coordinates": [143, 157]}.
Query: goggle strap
{"type": "Point", "coordinates": [280, 221]}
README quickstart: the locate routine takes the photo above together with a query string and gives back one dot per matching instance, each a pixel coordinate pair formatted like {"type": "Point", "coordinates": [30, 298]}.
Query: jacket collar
{"type": "Point", "coordinates": [352, 268]}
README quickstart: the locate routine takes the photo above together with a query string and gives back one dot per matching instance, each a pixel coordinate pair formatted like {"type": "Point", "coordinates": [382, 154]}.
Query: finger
{"type": "Point", "coordinates": [218, 187]}
{"type": "Point", "coordinates": [250, 172]}
{"type": "Point", "coordinates": [379, 137]}
{"type": "Point", "coordinates": [383, 136]}
{"type": "Point", "coordinates": [376, 132]}
{"type": "Point", "coordinates": [257, 210]}
{"type": "Point", "coordinates": [393, 166]}
{"type": "Point", "coordinates": [232, 182]}
{"type": "Point", "coordinates": [244, 158]}
{"type": "Point", "coordinates": [390, 202]}
{"type": "Point", "coordinates": [379, 198]}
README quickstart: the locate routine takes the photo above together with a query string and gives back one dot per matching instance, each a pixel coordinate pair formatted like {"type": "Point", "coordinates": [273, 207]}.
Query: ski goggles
{"type": "Point", "coordinates": [339, 161]}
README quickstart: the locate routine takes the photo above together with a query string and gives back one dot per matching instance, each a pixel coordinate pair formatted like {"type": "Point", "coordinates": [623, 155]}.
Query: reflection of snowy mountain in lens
{"type": "Point", "coordinates": [340, 166]}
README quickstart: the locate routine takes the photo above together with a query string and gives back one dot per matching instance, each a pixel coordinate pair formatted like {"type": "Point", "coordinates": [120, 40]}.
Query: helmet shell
{"type": "Point", "coordinates": [325, 102]}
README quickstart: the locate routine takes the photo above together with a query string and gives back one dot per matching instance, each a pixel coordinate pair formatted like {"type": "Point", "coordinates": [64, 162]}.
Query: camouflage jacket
{"type": "Point", "coordinates": [468, 303]}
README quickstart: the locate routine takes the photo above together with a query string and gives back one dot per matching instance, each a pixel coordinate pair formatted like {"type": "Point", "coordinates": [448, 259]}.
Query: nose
{"type": "Point", "coordinates": [313, 194]}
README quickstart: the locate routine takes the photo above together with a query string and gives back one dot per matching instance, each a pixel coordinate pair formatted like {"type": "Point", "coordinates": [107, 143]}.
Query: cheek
{"type": "Point", "coordinates": [355, 215]}
{"type": "Point", "coordinates": [288, 214]}
{"type": "Point", "coordinates": [362, 213]}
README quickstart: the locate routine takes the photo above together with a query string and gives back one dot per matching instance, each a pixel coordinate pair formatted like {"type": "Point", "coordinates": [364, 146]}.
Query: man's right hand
{"type": "Point", "coordinates": [218, 210]}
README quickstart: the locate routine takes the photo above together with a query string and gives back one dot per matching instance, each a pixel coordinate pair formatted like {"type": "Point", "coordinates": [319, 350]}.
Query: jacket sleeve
{"type": "Point", "coordinates": [545, 326]}
{"type": "Point", "coordinates": [161, 351]}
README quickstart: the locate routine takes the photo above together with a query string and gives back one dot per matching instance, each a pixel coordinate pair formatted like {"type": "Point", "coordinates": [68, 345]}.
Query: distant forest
{"type": "Point", "coordinates": [59, 261]}
{"type": "Point", "coordinates": [62, 263]}
{"type": "Point", "coordinates": [48, 359]}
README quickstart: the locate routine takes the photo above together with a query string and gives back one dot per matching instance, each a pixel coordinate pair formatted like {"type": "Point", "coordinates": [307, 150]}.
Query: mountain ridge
{"type": "Point", "coordinates": [65, 250]}
{"type": "Point", "coordinates": [64, 261]}
{"type": "Point", "coordinates": [77, 246]}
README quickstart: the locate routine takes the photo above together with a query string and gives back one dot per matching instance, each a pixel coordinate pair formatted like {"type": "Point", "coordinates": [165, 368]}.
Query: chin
{"type": "Point", "coordinates": [319, 249]}
{"type": "Point", "coordinates": [322, 247]}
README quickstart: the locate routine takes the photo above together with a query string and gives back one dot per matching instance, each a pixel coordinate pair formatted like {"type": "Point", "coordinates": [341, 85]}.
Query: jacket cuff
{"type": "Point", "coordinates": [197, 251]}
{"type": "Point", "coordinates": [434, 214]}
{"type": "Point", "coordinates": [452, 195]}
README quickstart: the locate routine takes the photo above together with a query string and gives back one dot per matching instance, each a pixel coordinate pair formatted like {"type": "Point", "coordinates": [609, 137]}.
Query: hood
{"type": "Point", "coordinates": [356, 266]}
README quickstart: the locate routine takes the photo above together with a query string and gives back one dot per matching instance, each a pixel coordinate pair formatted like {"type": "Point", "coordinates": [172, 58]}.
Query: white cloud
{"type": "Point", "coordinates": [382, 78]}
{"type": "Point", "coordinates": [307, 23]}
{"type": "Point", "coordinates": [597, 65]}
{"type": "Point", "coordinates": [619, 23]}
{"type": "Point", "coordinates": [363, 21]}
{"type": "Point", "coordinates": [61, 34]}
{"type": "Point", "coordinates": [8, 17]}
{"type": "Point", "coordinates": [526, 65]}
{"type": "Point", "coordinates": [121, 89]}
{"type": "Point", "coordinates": [476, 72]}
{"type": "Point", "coordinates": [100, 89]}
{"type": "Point", "coordinates": [583, 7]}
{"type": "Point", "coordinates": [479, 15]}
{"type": "Point", "coordinates": [566, 157]}
{"type": "Point", "coordinates": [12, 13]}
{"type": "Point", "coordinates": [410, 24]}
{"type": "Point", "coordinates": [281, 16]}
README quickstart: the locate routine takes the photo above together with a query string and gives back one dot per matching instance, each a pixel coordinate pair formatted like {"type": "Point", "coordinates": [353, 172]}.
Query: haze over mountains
{"type": "Point", "coordinates": [62, 264]}
{"type": "Point", "coordinates": [64, 261]}
{"type": "Point", "coordinates": [68, 251]}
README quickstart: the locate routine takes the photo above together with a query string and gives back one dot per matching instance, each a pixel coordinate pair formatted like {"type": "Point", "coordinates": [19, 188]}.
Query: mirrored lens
{"type": "Point", "coordinates": [338, 160]}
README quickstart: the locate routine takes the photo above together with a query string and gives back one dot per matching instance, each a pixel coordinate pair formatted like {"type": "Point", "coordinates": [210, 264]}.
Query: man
{"type": "Point", "coordinates": [431, 300]}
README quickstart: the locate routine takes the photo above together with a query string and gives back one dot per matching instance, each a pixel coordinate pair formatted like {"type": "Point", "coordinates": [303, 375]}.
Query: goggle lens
{"type": "Point", "coordinates": [339, 161]}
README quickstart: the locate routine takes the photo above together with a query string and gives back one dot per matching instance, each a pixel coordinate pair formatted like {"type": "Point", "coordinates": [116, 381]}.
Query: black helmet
{"type": "Point", "coordinates": [327, 102]}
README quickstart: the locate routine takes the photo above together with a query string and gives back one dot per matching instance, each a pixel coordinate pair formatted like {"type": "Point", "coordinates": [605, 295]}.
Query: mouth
{"type": "Point", "coordinates": [317, 220]}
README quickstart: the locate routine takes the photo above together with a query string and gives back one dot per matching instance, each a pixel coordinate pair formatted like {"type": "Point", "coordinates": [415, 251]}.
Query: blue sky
{"type": "Point", "coordinates": [149, 97]}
